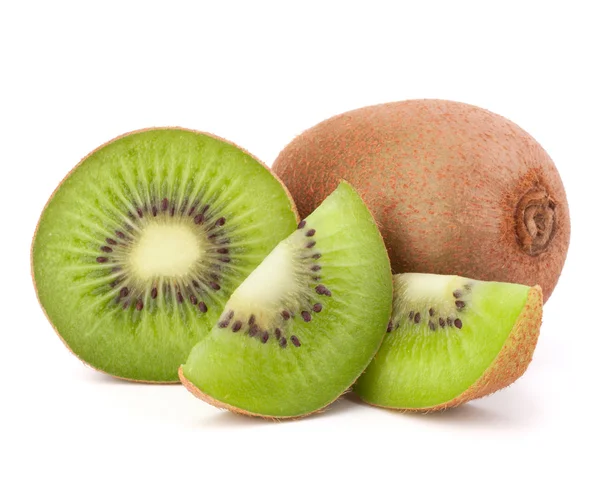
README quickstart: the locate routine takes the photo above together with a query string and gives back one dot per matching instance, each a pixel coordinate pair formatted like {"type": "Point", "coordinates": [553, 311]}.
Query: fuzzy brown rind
{"type": "Point", "coordinates": [456, 189]}
{"type": "Point", "coordinates": [512, 360]}
{"type": "Point", "coordinates": [177, 128]}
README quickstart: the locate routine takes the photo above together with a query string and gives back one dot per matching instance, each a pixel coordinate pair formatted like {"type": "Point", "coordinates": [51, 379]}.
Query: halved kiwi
{"type": "Point", "coordinates": [450, 340]}
{"type": "Point", "coordinates": [305, 323]}
{"type": "Point", "coordinates": [140, 246]}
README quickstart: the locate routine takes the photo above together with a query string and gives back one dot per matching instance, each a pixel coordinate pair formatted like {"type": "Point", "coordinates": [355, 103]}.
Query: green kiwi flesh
{"type": "Point", "coordinates": [451, 339]}
{"type": "Point", "coordinates": [139, 248]}
{"type": "Point", "coordinates": [306, 322]}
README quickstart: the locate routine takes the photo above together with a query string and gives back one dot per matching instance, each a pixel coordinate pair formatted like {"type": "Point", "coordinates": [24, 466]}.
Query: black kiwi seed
{"type": "Point", "coordinates": [315, 268]}
{"type": "Point", "coordinates": [431, 312]}
{"type": "Point", "coordinates": [253, 330]}
{"type": "Point", "coordinates": [311, 244]}
{"type": "Point", "coordinates": [265, 337]}
{"type": "Point", "coordinates": [431, 325]}
{"type": "Point", "coordinates": [124, 292]}
{"type": "Point", "coordinates": [277, 333]}
{"type": "Point", "coordinates": [106, 249]}
{"type": "Point", "coordinates": [139, 305]}
{"type": "Point", "coordinates": [322, 290]}
{"type": "Point", "coordinates": [458, 323]}
{"type": "Point", "coordinates": [317, 307]}
{"type": "Point", "coordinates": [442, 323]}
{"type": "Point", "coordinates": [417, 317]}
{"type": "Point", "coordinates": [154, 293]}
{"type": "Point", "coordinates": [154, 210]}
{"type": "Point", "coordinates": [285, 314]}
{"type": "Point", "coordinates": [390, 326]}
{"type": "Point", "coordinates": [306, 316]}
{"type": "Point", "coordinates": [457, 293]}
{"type": "Point", "coordinates": [224, 323]}
{"type": "Point", "coordinates": [120, 234]}
{"type": "Point", "coordinates": [198, 219]}
{"type": "Point", "coordinates": [295, 341]}
{"type": "Point", "coordinates": [110, 241]}
{"type": "Point", "coordinates": [316, 256]}
{"type": "Point", "coordinates": [450, 322]}
{"type": "Point", "coordinates": [179, 297]}
{"type": "Point", "coordinates": [459, 304]}
{"type": "Point", "coordinates": [101, 259]}
{"type": "Point", "coordinates": [237, 326]}
{"type": "Point", "coordinates": [220, 222]}
{"type": "Point", "coordinates": [251, 320]}
{"type": "Point", "coordinates": [283, 342]}
{"type": "Point", "coordinates": [193, 299]}
{"type": "Point", "coordinates": [310, 232]}
{"type": "Point", "coordinates": [302, 224]}
{"type": "Point", "coordinates": [165, 204]}
{"type": "Point", "coordinates": [214, 286]}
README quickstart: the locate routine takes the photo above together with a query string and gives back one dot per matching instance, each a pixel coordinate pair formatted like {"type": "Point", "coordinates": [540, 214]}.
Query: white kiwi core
{"type": "Point", "coordinates": [268, 285]}
{"type": "Point", "coordinates": [422, 286]}
{"type": "Point", "coordinates": [166, 250]}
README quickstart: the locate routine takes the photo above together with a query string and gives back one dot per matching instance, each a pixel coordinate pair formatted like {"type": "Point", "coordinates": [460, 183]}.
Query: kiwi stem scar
{"type": "Point", "coordinates": [535, 221]}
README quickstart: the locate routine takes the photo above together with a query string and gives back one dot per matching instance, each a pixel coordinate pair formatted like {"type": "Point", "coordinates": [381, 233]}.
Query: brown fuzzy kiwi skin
{"type": "Point", "coordinates": [171, 128]}
{"type": "Point", "coordinates": [455, 188]}
{"type": "Point", "coordinates": [510, 363]}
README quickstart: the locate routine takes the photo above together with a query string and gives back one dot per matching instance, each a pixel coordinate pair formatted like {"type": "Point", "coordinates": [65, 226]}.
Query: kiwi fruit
{"type": "Point", "coordinates": [140, 246]}
{"type": "Point", "coordinates": [456, 189]}
{"type": "Point", "coordinates": [450, 340]}
{"type": "Point", "coordinates": [306, 322]}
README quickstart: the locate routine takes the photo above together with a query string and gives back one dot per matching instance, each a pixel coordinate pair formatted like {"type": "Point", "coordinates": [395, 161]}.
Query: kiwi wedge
{"type": "Point", "coordinates": [450, 340]}
{"type": "Point", "coordinates": [141, 245]}
{"type": "Point", "coordinates": [302, 327]}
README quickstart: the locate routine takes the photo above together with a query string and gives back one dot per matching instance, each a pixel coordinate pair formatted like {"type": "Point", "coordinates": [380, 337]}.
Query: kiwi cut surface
{"type": "Point", "coordinates": [140, 246]}
{"type": "Point", "coordinates": [306, 322]}
{"type": "Point", "coordinates": [450, 340]}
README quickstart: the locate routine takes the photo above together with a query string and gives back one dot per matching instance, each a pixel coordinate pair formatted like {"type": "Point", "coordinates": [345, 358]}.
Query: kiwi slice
{"type": "Point", "coordinates": [306, 322]}
{"type": "Point", "coordinates": [450, 340]}
{"type": "Point", "coordinates": [141, 245]}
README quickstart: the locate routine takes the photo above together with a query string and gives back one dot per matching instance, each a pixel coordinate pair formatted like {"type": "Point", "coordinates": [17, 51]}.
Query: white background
{"type": "Point", "coordinates": [73, 76]}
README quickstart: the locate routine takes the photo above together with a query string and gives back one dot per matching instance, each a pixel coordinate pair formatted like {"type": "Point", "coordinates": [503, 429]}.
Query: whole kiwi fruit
{"type": "Point", "coordinates": [455, 189]}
